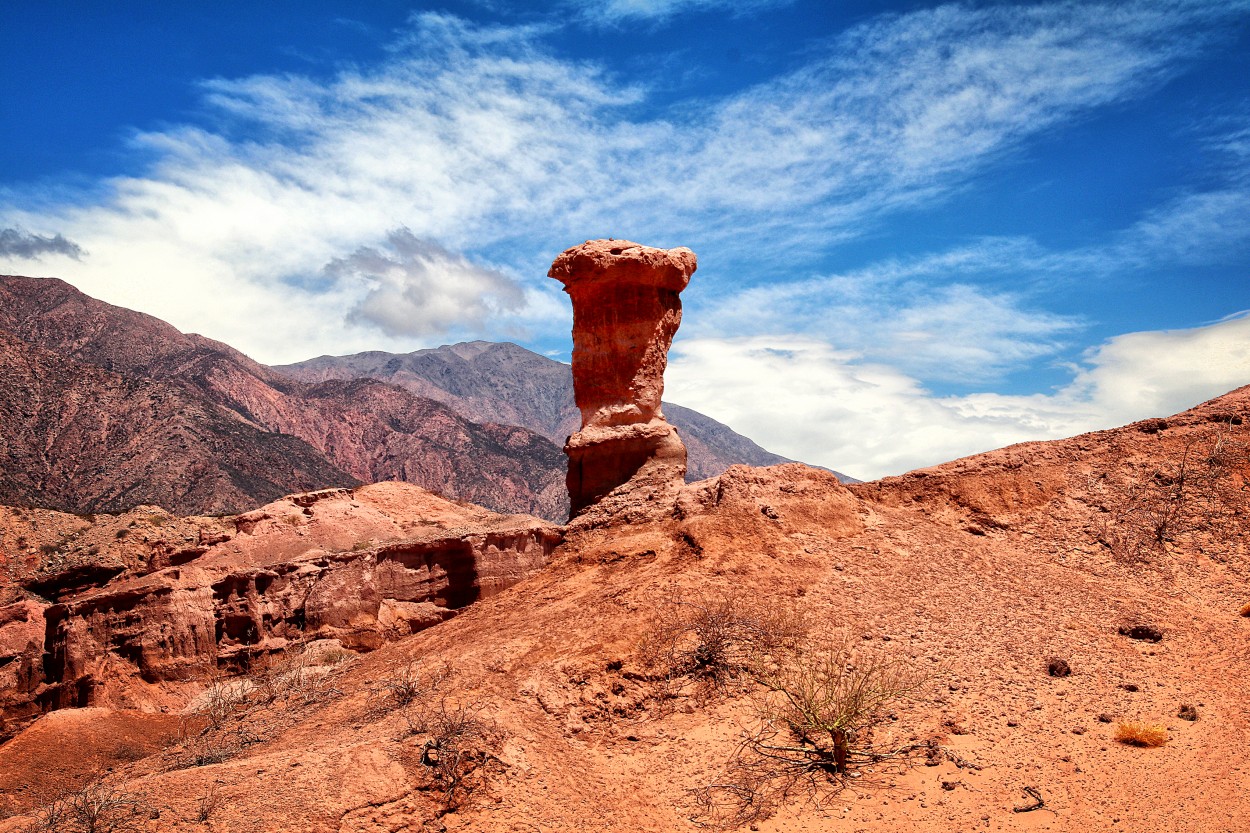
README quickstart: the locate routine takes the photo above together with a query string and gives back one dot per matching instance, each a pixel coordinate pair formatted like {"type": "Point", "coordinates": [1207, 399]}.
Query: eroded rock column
{"type": "Point", "coordinates": [625, 312]}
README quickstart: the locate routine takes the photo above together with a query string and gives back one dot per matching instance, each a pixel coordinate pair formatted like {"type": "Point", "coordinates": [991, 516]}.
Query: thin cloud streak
{"type": "Point", "coordinates": [925, 316]}
{"type": "Point", "coordinates": [616, 12]}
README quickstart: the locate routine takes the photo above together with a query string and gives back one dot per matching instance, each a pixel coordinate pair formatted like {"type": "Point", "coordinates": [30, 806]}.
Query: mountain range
{"type": "Point", "coordinates": [502, 382]}
{"type": "Point", "coordinates": [103, 409]}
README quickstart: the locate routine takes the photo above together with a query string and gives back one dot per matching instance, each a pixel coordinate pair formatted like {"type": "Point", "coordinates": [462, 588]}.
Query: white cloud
{"type": "Point", "coordinates": [614, 12]}
{"type": "Point", "coordinates": [481, 139]}
{"type": "Point", "coordinates": [418, 288]}
{"type": "Point", "coordinates": [804, 399]}
{"type": "Point", "coordinates": [1192, 229]}
{"type": "Point", "coordinates": [924, 315]}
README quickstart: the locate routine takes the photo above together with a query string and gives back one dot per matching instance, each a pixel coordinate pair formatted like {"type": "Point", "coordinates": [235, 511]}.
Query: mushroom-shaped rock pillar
{"type": "Point", "coordinates": [625, 312]}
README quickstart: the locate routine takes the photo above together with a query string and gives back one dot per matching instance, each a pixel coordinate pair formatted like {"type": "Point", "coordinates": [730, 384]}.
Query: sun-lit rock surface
{"type": "Point", "coordinates": [625, 311]}
{"type": "Point", "coordinates": [360, 566]}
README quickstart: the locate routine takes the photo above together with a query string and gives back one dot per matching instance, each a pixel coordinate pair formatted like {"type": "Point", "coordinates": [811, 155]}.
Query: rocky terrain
{"type": "Point", "coordinates": [1051, 636]}
{"type": "Point", "coordinates": [120, 610]}
{"type": "Point", "coordinates": [980, 575]}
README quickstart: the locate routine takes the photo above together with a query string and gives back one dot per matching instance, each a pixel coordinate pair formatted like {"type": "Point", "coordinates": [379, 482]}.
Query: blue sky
{"type": "Point", "coordinates": [923, 229]}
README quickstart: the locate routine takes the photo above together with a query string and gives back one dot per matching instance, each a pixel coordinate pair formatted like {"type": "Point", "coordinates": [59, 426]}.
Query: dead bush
{"type": "Point", "coordinates": [100, 807]}
{"type": "Point", "coordinates": [232, 712]}
{"type": "Point", "coordinates": [457, 740]}
{"type": "Point", "coordinates": [458, 750]}
{"type": "Point", "coordinates": [1198, 494]}
{"type": "Point", "coordinates": [214, 746]}
{"type": "Point", "coordinates": [297, 677]}
{"type": "Point", "coordinates": [208, 802]}
{"type": "Point", "coordinates": [710, 640]}
{"type": "Point", "coordinates": [409, 685]}
{"type": "Point", "coordinates": [222, 701]}
{"type": "Point", "coordinates": [816, 716]}
{"type": "Point", "coordinates": [1141, 734]}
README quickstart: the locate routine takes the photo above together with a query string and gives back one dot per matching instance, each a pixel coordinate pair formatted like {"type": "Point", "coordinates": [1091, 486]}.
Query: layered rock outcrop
{"type": "Point", "coordinates": [359, 566]}
{"type": "Point", "coordinates": [626, 310]}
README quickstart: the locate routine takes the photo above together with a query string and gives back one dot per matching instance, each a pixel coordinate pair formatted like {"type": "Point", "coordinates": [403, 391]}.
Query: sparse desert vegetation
{"type": "Point", "coordinates": [817, 711]}
{"type": "Point", "coordinates": [1194, 495]}
{"type": "Point", "coordinates": [871, 657]}
{"type": "Point", "coordinates": [102, 806]}
{"type": "Point", "coordinates": [1141, 734]}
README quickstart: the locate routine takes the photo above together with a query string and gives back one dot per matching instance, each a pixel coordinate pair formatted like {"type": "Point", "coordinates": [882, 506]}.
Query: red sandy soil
{"type": "Point", "coordinates": [980, 572]}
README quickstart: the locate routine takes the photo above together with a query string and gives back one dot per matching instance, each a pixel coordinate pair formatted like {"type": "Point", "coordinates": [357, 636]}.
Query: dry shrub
{"type": "Point", "coordinates": [223, 700]}
{"type": "Point", "coordinates": [208, 802]}
{"type": "Point", "coordinates": [409, 684]}
{"type": "Point", "coordinates": [228, 717]}
{"type": "Point", "coordinates": [214, 746]}
{"type": "Point", "coordinates": [459, 749]}
{"type": "Point", "coordinates": [710, 640]}
{"type": "Point", "coordinates": [99, 807]}
{"type": "Point", "coordinates": [1198, 494]}
{"type": "Point", "coordinates": [1141, 734]}
{"type": "Point", "coordinates": [816, 716]}
{"type": "Point", "coordinates": [299, 678]}
{"type": "Point", "coordinates": [457, 739]}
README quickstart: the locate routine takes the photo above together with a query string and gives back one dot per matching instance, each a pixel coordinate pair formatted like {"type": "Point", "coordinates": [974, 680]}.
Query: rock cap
{"type": "Point", "coordinates": [624, 261]}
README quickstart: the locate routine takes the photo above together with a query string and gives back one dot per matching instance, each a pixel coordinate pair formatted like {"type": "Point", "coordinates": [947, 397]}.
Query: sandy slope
{"type": "Point", "coordinates": [982, 570]}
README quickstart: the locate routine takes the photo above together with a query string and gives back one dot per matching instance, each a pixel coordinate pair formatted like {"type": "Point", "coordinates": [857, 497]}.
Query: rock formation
{"type": "Point", "coordinates": [360, 566]}
{"type": "Point", "coordinates": [625, 312]}
{"type": "Point", "coordinates": [503, 383]}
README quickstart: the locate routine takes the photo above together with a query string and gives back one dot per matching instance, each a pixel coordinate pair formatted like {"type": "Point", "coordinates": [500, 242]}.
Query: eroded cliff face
{"type": "Point", "coordinates": [626, 310]}
{"type": "Point", "coordinates": [359, 566]}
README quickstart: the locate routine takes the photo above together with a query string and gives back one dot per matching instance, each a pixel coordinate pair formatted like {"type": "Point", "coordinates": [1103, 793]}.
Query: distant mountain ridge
{"type": "Point", "coordinates": [103, 408]}
{"type": "Point", "coordinates": [503, 382]}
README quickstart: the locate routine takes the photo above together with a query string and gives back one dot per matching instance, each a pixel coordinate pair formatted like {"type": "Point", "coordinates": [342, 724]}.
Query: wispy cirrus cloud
{"type": "Point", "coordinates": [613, 12]}
{"type": "Point", "coordinates": [484, 141]}
{"type": "Point", "coordinates": [932, 316]}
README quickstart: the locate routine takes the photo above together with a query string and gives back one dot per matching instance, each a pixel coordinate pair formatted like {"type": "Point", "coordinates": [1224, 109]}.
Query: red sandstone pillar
{"type": "Point", "coordinates": [625, 312]}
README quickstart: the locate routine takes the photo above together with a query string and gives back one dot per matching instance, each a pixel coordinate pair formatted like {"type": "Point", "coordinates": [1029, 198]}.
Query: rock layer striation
{"type": "Point", "coordinates": [626, 310]}
{"type": "Point", "coordinates": [360, 566]}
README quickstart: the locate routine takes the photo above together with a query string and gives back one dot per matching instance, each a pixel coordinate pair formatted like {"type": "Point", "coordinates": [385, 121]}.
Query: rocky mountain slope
{"type": "Point", "coordinates": [105, 408]}
{"type": "Point", "coordinates": [501, 382]}
{"type": "Point", "coordinates": [1028, 606]}
{"type": "Point", "coordinates": [80, 437]}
